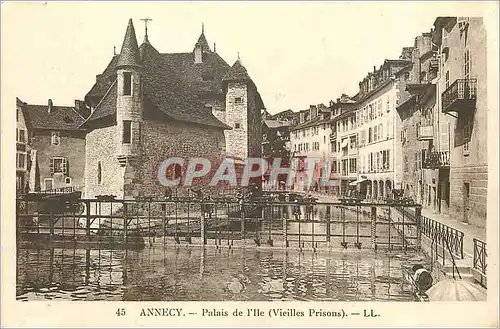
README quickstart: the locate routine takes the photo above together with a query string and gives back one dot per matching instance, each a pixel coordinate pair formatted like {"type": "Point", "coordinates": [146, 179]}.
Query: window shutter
{"type": "Point", "coordinates": [65, 166]}
{"type": "Point", "coordinates": [51, 165]}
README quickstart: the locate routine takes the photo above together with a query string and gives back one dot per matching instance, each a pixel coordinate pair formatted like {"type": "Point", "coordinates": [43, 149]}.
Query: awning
{"type": "Point", "coordinates": [356, 182]}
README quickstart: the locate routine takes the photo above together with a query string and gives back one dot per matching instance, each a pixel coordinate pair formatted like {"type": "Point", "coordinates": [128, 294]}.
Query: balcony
{"type": "Point", "coordinates": [333, 136]}
{"type": "Point", "coordinates": [460, 96]}
{"type": "Point", "coordinates": [425, 133]}
{"type": "Point", "coordinates": [437, 160]}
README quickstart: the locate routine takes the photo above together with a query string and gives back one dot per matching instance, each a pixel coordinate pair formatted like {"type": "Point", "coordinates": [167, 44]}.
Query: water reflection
{"type": "Point", "coordinates": [182, 273]}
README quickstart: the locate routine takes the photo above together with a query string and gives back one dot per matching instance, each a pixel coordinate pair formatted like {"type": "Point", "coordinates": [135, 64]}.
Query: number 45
{"type": "Point", "coordinates": [120, 312]}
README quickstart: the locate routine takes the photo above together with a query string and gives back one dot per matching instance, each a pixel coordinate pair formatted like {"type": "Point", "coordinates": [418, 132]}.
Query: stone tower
{"type": "Point", "coordinates": [129, 109]}
{"type": "Point", "coordinates": [242, 113]}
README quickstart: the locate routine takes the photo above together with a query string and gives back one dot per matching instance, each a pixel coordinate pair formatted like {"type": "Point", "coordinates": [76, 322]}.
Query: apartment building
{"type": "Point", "coordinates": [416, 112]}
{"type": "Point", "coordinates": [462, 98]}
{"type": "Point", "coordinates": [343, 143]}
{"type": "Point", "coordinates": [310, 138]}
{"type": "Point", "coordinates": [380, 156]}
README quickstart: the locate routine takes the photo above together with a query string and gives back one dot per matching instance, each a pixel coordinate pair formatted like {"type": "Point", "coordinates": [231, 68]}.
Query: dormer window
{"type": "Point", "coordinates": [55, 138]}
{"type": "Point", "coordinates": [127, 83]}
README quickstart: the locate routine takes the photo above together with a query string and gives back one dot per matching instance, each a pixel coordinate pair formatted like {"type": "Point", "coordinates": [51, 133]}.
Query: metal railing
{"type": "Point", "coordinates": [441, 235]}
{"type": "Point", "coordinates": [60, 190]}
{"type": "Point", "coordinates": [437, 159]}
{"type": "Point", "coordinates": [299, 223]}
{"type": "Point", "coordinates": [461, 89]}
{"type": "Point", "coordinates": [480, 255]}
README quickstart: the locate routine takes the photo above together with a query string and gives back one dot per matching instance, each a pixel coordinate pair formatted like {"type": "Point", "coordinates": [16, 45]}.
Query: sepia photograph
{"type": "Point", "coordinates": [224, 152]}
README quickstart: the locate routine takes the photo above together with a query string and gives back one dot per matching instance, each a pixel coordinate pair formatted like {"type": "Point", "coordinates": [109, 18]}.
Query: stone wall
{"type": "Point", "coordinates": [236, 139]}
{"type": "Point", "coordinates": [71, 146]}
{"type": "Point", "coordinates": [101, 146]}
{"type": "Point", "coordinates": [176, 139]}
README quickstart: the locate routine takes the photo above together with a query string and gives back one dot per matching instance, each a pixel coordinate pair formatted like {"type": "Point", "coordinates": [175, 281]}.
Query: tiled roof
{"type": "Point", "coordinates": [103, 82]}
{"type": "Point", "coordinates": [129, 55]}
{"type": "Point", "coordinates": [164, 90]}
{"type": "Point", "coordinates": [59, 118]}
{"type": "Point", "coordinates": [202, 41]}
{"type": "Point", "coordinates": [273, 124]}
{"type": "Point", "coordinates": [237, 73]}
{"type": "Point", "coordinates": [313, 122]}
{"type": "Point", "coordinates": [173, 83]}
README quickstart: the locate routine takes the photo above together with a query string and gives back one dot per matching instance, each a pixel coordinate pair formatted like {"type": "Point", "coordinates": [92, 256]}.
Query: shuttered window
{"type": "Point", "coordinates": [58, 165]}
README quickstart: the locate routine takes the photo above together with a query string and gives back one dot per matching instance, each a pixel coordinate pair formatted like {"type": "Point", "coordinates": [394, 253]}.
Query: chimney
{"type": "Point", "coordinates": [50, 106]}
{"type": "Point", "coordinates": [331, 103]}
{"type": "Point", "coordinates": [198, 54]}
{"type": "Point", "coordinates": [97, 77]}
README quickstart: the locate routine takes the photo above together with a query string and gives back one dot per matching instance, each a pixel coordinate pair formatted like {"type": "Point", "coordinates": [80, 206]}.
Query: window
{"type": "Point", "coordinates": [21, 135]}
{"type": "Point", "coordinates": [99, 173]}
{"type": "Point", "coordinates": [380, 132]}
{"type": "Point", "coordinates": [56, 138]}
{"type": "Point", "coordinates": [127, 131]}
{"type": "Point", "coordinates": [17, 116]}
{"type": "Point", "coordinates": [127, 83]}
{"type": "Point", "coordinates": [58, 165]}
{"type": "Point", "coordinates": [48, 183]}
{"type": "Point", "coordinates": [369, 135]}
{"type": "Point", "coordinates": [467, 133]}
{"type": "Point", "coordinates": [238, 100]}
{"type": "Point", "coordinates": [375, 134]}
{"type": "Point", "coordinates": [68, 180]}
{"type": "Point", "coordinates": [21, 160]}
{"type": "Point", "coordinates": [352, 165]}
{"type": "Point", "coordinates": [467, 64]}
{"type": "Point", "coordinates": [447, 78]}
{"type": "Point", "coordinates": [237, 125]}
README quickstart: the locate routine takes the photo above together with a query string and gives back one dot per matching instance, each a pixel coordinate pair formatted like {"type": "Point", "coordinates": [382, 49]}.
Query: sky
{"type": "Point", "coordinates": [297, 53]}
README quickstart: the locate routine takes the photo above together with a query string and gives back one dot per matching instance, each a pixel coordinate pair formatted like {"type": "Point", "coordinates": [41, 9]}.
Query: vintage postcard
{"type": "Point", "coordinates": [249, 164]}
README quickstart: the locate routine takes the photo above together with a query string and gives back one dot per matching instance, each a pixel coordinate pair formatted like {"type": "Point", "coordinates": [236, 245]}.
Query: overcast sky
{"type": "Point", "coordinates": [297, 53]}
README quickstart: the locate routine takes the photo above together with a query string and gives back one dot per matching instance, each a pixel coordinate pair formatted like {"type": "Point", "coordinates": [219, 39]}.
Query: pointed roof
{"type": "Point", "coordinates": [129, 55]}
{"type": "Point", "coordinates": [203, 43]}
{"type": "Point", "coordinates": [237, 73]}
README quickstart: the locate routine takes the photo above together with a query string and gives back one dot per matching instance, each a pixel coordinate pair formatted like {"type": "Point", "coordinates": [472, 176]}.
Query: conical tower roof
{"type": "Point", "coordinates": [129, 55]}
{"type": "Point", "coordinates": [237, 72]}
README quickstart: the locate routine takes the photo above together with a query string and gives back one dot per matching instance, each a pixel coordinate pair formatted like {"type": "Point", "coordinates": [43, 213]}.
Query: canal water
{"type": "Point", "coordinates": [193, 273]}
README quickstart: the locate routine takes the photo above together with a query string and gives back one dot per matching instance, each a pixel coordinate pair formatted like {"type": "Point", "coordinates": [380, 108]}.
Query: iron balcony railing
{"type": "Point", "coordinates": [437, 159]}
{"type": "Point", "coordinates": [460, 90]}
{"type": "Point", "coordinates": [479, 261]}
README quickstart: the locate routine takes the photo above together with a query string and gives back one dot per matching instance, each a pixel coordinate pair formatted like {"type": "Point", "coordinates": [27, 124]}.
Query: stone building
{"type": "Point", "coordinates": [148, 106]}
{"type": "Point", "coordinates": [343, 143]}
{"type": "Point", "coordinates": [462, 100]}
{"type": "Point", "coordinates": [51, 146]}
{"type": "Point", "coordinates": [380, 152]}
{"type": "Point", "coordinates": [416, 112]}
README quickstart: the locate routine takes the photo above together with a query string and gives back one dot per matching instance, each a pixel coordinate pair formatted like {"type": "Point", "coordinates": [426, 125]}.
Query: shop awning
{"type": "Point", "coordinates": [356, 182]}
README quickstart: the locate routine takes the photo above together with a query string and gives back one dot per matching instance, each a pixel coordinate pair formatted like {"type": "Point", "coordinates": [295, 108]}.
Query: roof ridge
{"type": "Point", "coordinates": [100, 102]}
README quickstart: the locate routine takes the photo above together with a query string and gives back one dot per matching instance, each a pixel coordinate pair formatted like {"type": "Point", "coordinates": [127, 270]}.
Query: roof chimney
{"type": "Point", "coordinates": [50, 106]}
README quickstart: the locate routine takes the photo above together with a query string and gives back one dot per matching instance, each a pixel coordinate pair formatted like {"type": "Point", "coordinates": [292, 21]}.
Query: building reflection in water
{"type": "Point", "coordinates": [194, 273]}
